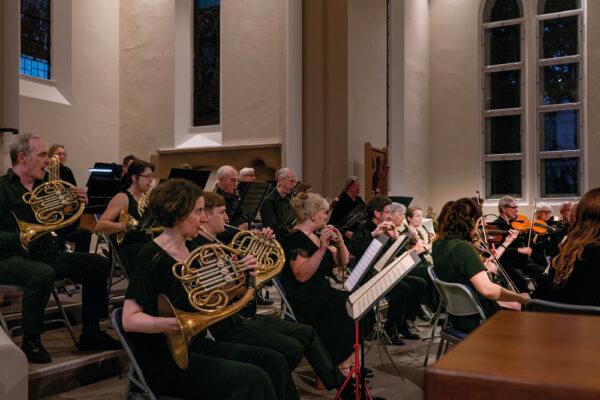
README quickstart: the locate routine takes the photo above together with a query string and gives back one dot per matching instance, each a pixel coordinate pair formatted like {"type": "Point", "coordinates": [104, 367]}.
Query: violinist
{"type": "Point", "coordinates": [457, 261]}
{"type": "Point", "coordinates": [347, 201]}
{"type": "Point", "coordinates": [516, 256]}
{"type": "Point", "coordinates": [541, 242]}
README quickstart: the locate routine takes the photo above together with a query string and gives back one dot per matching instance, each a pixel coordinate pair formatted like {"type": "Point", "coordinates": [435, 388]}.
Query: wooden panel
{"type": "Point", "coordinates": [522, 356]}
{"type": "Point", "coordinates": [213, 157]}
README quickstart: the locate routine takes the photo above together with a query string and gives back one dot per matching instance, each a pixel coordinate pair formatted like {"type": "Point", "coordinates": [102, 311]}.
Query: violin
{"type": "Point", "coordinates": [524, 224]}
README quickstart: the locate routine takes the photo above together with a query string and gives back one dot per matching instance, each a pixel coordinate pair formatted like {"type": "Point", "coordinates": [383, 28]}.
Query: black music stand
{"type": "Point", "coordinates": [402, 200]}
{"type": "Point", "coordinates": [103, 184]}
{"type": "Point", "coordinates": [198, 176]}
{"type": "Point", "coordinates": [252, 195]}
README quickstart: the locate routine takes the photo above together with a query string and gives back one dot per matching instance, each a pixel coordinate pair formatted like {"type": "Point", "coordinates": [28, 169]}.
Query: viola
{"type": "Point", "coordinates": [524, 224]}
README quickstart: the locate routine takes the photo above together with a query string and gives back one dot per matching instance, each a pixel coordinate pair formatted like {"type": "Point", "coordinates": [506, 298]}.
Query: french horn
{"type": "Point", "coordinates": [54, 203]}
{"type": "Point", "coordinates": [218, 286]}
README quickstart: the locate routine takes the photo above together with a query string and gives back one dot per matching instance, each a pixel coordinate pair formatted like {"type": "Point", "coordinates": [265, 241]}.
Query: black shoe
{"type": "Point", "coordinates": [368, 372]}
{"type": "Point", "coordinates": [422, 315]}
{"type": "Point", "coordinates": [261, 301]}
{"type": "Point", "coordinates": [397, 340]}
{"type": "Point", "coordinates": [406, 333]}
{"type": "Point", "coordinates": [98, 340]}
{"type": "Point", "coordinates": [35, 351]}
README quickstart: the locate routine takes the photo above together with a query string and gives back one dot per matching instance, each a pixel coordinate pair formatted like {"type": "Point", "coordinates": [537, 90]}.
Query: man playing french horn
{"type": "Point", "coordinates": [36, 261]}
{"type": "Point", "coordinates": [291, 339]}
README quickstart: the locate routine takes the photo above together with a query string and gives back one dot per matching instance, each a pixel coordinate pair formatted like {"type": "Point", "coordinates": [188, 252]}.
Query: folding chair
{"type": "Point", "coordinates": [286, 308]}
{"type": "Point", "coordinates": [134, 373]}
{"type": "Point", "coordinates": [564, 308]}
{"type": "Point", "coordinates": [437, 316]}
{"type": "Point", "coordinates": [117, 267]}
{"type": "Point", "coordinates": [64, 320]}
{"type": "Point", "coordinates": [460, 302]}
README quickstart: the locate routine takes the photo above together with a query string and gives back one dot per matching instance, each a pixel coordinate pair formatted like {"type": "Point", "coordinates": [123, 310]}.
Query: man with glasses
{"type": "Point", "coordinates": [516, 257]}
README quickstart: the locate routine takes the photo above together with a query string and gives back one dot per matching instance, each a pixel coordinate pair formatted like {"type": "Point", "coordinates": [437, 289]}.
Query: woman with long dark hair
{"type": "Point", "coordinates": [456, 261]}
{"type": "Point", "coordinates": [575, 271]}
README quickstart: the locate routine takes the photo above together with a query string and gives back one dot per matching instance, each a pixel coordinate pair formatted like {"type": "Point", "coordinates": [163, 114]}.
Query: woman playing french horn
{"type": "Point", "coordinates": [216, 370]}
{"type": "Point", "coordinates": [122, 213]}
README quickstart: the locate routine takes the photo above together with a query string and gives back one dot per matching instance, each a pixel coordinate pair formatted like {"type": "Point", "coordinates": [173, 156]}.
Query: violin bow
{"type": "Point", "coordinates": [482, 221]}
{"type": "Point", "coordinates": [531, 222]}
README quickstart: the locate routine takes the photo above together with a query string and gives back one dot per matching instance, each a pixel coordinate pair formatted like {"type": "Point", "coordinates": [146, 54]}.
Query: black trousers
{"type": "Point", "coordinates": [430, 296]}
{"type": "Point", "coordinates": [404, 300]}
{"type": "Point", "coordinates": [37, 277]}
{"type": "Point", "coordinates": [291, 339]}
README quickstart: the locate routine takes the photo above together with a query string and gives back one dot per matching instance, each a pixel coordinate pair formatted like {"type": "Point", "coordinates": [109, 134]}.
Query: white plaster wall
{"type": "Point", "coordinates": [366, 80]}
{"type": "Point", "coordinates": [146, 76]}
{"type": "Point", "coordinates": [9, 75]}
{"type": "Point", "coordinates": [416, 168]}
{"type": "Point", "coordinates": [252, 71]}
{"type": "Point", "coordinates": [455, 156]}
{"type": "Point", "coordinates": [88, 126]}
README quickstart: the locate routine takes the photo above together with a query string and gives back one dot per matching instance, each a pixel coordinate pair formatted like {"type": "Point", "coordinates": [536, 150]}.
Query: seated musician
{"type": "Point", "coordinates": [81, 237]}
{"type": "Point", "coordinates": [516, 257]}
{"type": "Point", "coordinates": [247, 174]}
{"type": "Point", "coordinates": [543, 244]}
{"type": "Point", "coordinates": [66, 174]}
{"type": "Point", "coordinates": [275, 211]}
{"type": "Point", "coordinates": [291, 339]}
{"type": "Point", "coordinates": [216, 370]}
{"type": "Point", "coordinates": [575, 271]}
{"type": "Point", "coordinates": [226, 186]}
{"type": "Point", "coordinates": [45, 260]}
{"type": "Point", "coordinates": [405, 297]}
{"type": "Point", "coordinates": [309, 259]}
{"type": "Point", "coordinates": [140, 177]}
{"type": "Point", "coordinates": [347, 201]}
{"type": "Point", "coordinates": [456, 260]}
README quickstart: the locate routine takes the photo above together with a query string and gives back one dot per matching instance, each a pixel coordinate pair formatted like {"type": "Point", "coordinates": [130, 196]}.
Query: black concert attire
{"type": "Point", "coordinates": [517, 265]}
{"type": "Point", "coordinates": [457, 261]}
{"type": "Point", "coordinates": [45, 261]}
{"type": "Point", "coordinates": [232, 202]}
{"type": "Point", "coordinates": [216, 370]}
{"type": "Point", "coordinates": [405, 298]}
{"type": "Point", "coordinates": [315, 302]}
{"type": "Point", "coordinates": [581, 287]}
{"type": "Point", "coordinates": [81, 237]}
{"type": "Point", "coordinates": [341, 209]}
{"type": "Point", "coordinates": [542, 245]}
{"type": "Point", "coordinates": [134, 240]}
{"type": "Point", "coordinates": [276, 213]}
{"type": "Point", "coordinates": [291, 339]}
{"type": "Point", "coordinates": [66, 174]}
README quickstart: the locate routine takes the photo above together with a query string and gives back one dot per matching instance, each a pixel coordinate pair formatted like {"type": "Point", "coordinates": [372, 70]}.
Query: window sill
{"type": "Point", "coordinates": [41, 89]}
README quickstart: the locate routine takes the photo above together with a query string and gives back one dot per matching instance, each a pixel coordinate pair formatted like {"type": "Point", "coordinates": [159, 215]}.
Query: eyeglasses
{"type": "Point", "coordinates": [513, 207]}
{"type": "Point", "coordinates": [148, 176]}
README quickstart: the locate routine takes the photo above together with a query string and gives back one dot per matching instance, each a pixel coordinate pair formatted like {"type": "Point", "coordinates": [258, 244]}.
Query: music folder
{"type": "Point", "coordinates": [198, 176]}
{"type": "Point", "coordinates": [103, 184]}
{"type": "Point", "coordinates": [363, 299]}
{"type": "Point", "coordinates": [367, 259]}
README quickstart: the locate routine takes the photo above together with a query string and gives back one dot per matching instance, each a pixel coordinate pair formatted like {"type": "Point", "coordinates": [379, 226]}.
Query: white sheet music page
{"type": "Point", "coordinates": [389, 253]}
{"type": "Point", "coordinates": [365, 261]}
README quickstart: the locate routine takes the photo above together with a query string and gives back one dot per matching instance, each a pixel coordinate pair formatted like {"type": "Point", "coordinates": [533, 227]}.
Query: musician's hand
{"type": "Point", "coordinates": [348, 234]}
{"type": "Point", "coordinates": [326, 237]}
{"type": "Point", "coordinates": [82, 195]}
{"type": "Point", "coordinates": [251, 265]}
{"type": "Point", "coordinates": [419, 247]}
{"type": "Point", "coordinates": [512, 235]}
{"type": "Point", "coordinates": [339, 241]}
{"type": "Point", "coordinates": [168, 324]}
{"type": "Point", "coordinates": [524, 250]}
{"type": "Point", "coordinates": [265, 232]}
{"type": "Point", "coordinates": [385, 227]}
{"type": "Point", "coordinates": [525, 297]}
{"type": "Point", "coordinates": [491, 266]}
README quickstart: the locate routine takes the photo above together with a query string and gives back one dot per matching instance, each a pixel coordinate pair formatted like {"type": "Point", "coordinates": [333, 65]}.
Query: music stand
{"type": "Point", "coordinates": [103, 184]}
{"type": "Point", "coordinates": [252, 195]}
{"type": "Point", "coordinates": [361, 301]}
{"type": "Point", "coordinates": [402, 200]}
{"type": "Point", "coordinates": [198, 176]}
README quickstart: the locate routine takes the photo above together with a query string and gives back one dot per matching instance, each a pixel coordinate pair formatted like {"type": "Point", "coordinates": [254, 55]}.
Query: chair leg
{"type": "Point", "coordinates": [433, 328]}
{"type": "Point", "coordinates": [440, 347]}
{"type": "Point", "coordinates": [65, 317]}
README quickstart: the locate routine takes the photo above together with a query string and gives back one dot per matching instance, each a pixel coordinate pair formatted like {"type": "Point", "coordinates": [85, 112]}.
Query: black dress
{"type": "Point", "coordinates": [315, 302]}
{"type": "Point", "coordinates": [216, 370]}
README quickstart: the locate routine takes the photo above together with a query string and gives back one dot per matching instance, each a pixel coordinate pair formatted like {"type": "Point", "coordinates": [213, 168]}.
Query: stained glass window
{"type": "Point", "coordinates": [207, 77]}
{"type": "Point", "coordinates": [35, 38]}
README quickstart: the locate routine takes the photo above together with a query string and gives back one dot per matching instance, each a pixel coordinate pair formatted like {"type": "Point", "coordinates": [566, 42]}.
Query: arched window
{"type": "Point", "coordinates": [560, 100]}
{"type": "Point", "coordinates": [207, 76]}
{"type": "Point", "coordinates": [503, 106]}
{"type": "Point", "coordinates": [35, 38]}
{"type": "Point", "coordinates": [554, 38]}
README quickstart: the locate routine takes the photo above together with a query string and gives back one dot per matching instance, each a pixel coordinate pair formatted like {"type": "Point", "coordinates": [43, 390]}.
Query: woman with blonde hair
{"type": "Point", "coordinates": [575, 271]}
{"type": "Point", "coordinates": [309, 259]}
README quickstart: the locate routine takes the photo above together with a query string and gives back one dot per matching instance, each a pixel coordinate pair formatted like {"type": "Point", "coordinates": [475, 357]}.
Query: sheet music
{"type": "Point", "coordinates": [389, 253]}
{"type": "Point", "coordinates": [363, 299]}
{"type": "Point", "coordinates": [365, 262]}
